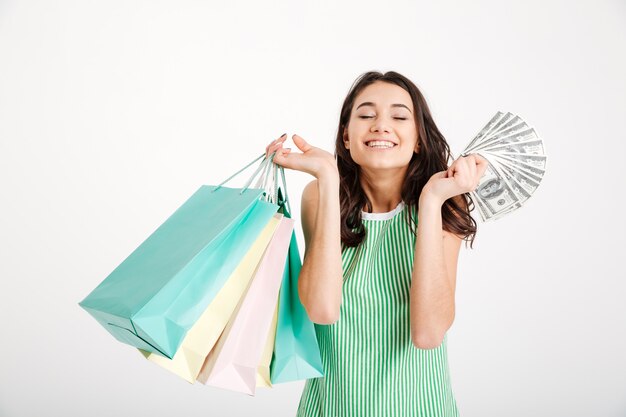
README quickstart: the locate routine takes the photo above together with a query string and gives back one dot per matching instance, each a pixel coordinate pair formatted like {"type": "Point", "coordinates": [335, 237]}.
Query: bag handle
{"type": "Point", "coordinates": [284, 184]}
{"type": "Point", "coordinates": [277, 183]}
{"type": "Point", "coordinates": [270, 182]}
{"type": "Point", "coordinates": [266, 167]}
{"type": "Point", "coordinates": [243, 169]}
{"type": "Point", "coordinates": [262, 182]}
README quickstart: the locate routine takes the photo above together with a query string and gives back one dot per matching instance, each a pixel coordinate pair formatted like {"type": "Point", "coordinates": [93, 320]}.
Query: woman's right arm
{"type": "Point", "coordinates": [321, 276]}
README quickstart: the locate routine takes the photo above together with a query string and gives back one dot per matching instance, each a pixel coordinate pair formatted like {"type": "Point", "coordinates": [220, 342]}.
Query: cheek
{"type": "Point", "coordinates": [356, 128]}
{"type": "Point", "coordinates": [411, 134]}
{"type": "Point", "coordinates": [354, 133]}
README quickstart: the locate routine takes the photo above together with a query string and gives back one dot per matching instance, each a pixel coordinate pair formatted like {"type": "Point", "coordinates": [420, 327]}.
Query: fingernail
{"type": "Point", "coordinates": [283, 135]}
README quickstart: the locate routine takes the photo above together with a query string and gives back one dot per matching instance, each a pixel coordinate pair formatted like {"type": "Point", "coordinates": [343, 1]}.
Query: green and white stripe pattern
{"type": "Point", "coordinates": [371, 367]}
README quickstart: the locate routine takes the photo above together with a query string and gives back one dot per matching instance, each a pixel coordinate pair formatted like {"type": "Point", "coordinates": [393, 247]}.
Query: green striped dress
{"type": "Point", "coordinates": [371, 367]}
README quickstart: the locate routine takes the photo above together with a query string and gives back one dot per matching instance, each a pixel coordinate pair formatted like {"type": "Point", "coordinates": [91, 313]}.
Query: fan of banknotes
{"type": "Point", "coordinates": [517, 162]}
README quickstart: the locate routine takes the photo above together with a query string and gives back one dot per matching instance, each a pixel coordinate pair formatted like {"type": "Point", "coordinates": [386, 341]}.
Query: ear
{"type": "Point", "coordinates": [346, 141]}
{"type": "Point", "coordinates": [417, 146]}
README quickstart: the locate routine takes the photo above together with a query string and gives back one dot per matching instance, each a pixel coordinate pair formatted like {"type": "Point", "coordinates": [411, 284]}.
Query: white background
{"type": "Point", "coordinates": [113, 113]}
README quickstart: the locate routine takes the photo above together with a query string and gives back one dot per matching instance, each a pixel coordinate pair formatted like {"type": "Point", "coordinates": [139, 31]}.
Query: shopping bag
{"type": "Point", "coordinates": [296, 350]}
{"type": "Point", "coordinates": [160, 290]}
{"type": "Point", "coordinates": [233, 362]}
{"type": "Point", "coordinates": [263, 370]}
{"type": "Point", "coordinates": [203, 335]}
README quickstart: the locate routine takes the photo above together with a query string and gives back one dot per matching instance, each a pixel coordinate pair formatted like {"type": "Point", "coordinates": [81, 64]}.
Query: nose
{"type": "Point", "coordinates": [380, 126]}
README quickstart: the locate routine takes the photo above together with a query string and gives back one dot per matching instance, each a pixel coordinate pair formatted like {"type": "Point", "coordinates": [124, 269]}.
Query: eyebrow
{"type": "Point", "coordinates": [369, 103]}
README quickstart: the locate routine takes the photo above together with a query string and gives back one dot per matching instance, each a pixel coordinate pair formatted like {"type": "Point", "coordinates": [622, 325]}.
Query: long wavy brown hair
{"type": "Point", "coordinates": [433, 156]}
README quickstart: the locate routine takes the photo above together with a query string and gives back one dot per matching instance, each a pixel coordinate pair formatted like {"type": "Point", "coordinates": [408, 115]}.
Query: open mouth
{"type": "Point", "coordinates": [380, 144]}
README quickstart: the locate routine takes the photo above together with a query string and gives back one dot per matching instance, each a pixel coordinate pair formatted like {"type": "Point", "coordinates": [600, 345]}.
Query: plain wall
{"type": "Point", "coordinates": [112, 113]}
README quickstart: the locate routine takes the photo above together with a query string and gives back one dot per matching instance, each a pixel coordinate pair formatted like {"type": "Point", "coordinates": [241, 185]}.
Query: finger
{"type": "Point", "coordinates": [282, 138]}
{"type": "Point", "coordinates": [281, 158]}
{"type": "Point", "coordinates": [278, 158]}
{"type": "Point", "coordinates": [471, 164]}
{"type": "Point", "coordinates": [451, 169]}
{"type": "Point", "coordinates": [473, 177]}
{"type": "Point", "coordinates": [284, 152]}
{"type": "Point", "coordinates": [275, 148]}
{"type": "Point", "coordinates": [460, 166]}
{"type": "Point", "coordinates": [272, 150]}
{"type": "Point", "coordinates": [456, 167]}
{"type": "Point", "coordinates": [462, 174]}
{"type": "Point", "coordinates": [480, 160]}
{"type": "Point", "coordinates": [481, 164]}
{"type": "Point", "coordinates": [483, 169]}
{"type": "Point", "coordinates": [301, 143]}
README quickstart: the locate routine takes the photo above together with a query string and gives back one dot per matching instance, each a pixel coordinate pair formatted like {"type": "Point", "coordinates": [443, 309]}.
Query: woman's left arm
{"type": "Point", "coordinates": [433, 282]}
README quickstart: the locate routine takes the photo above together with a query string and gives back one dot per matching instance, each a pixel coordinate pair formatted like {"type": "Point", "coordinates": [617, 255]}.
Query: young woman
{"type": "Point", "coordinates": [383, 222]}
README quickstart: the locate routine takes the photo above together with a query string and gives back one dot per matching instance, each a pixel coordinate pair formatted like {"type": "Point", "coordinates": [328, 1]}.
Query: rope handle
{"type": "Point", "coordinates": [267, 169]}
{"type": "Point", "coordinates": [241, 170]}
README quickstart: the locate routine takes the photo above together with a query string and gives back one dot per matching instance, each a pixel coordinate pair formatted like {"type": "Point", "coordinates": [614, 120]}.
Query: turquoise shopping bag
{"type": "Point", "coordinates": [159, 291]}
{"type": "Point", "coordinates": [296, 351]}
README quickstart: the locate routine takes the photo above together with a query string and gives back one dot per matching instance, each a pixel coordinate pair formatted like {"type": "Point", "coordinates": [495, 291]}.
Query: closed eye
{"type": "Point", "coordinates": [371, 117]}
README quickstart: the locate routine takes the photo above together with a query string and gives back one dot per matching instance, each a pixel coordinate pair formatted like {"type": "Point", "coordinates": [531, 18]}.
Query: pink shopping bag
{"type": "Point", "coordinates": [233, 362]}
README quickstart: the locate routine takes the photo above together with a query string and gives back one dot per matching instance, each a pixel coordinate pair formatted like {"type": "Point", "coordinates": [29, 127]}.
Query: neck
{"type": "Point", "coordinates": [382, 188]}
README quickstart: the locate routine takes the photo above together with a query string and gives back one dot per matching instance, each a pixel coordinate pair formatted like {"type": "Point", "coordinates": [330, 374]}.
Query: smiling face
{"type": "Point", "coordinates": [381, 132]}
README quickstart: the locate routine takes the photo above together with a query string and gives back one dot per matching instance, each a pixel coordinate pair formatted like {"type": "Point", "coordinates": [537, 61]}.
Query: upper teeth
{"type": "Point", "coordinates": [380, 144]}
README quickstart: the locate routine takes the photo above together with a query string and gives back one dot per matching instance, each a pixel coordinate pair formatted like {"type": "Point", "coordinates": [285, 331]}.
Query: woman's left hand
{"type": "Point", "coordinates": [461, 177]}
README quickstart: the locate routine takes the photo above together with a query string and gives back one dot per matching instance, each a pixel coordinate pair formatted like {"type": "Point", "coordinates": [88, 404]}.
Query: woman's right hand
{"type": "Point", "coordinates": [312, 160]}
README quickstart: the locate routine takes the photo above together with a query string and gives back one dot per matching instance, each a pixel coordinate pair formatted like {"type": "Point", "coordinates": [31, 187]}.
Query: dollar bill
{"type": "Point", "coordinates": [492, 130]}
{"type": "Point", "coordinates": [485, 130]}
{"type": "Point", "coordinates": [514, 121]}
{"type": "Point", "coordinates": [479, 207]}
{"type": "Point", "coordinates": [514, 134]}
{"type": "Point", "coordinates": [534, 147]}
{"type": "Point", "coordinates": [516, 165]}
{"type": "Point", "coordinates": [533, 163]}
{"type": "Point", "coordinates": [519, 191]}
{"type": "Point", "coordinates": [494, 193]}
{"type": "Point", "coordinates": [484, 212]}
{"type": "Point", "coordinates": [522, 196]}
{"type": "Point", "coordinates": [528, 184]}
